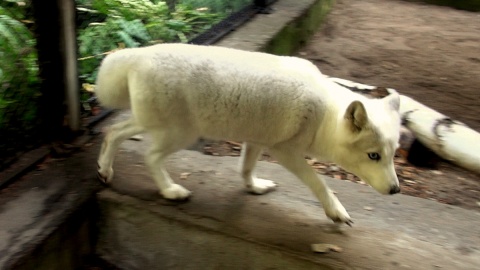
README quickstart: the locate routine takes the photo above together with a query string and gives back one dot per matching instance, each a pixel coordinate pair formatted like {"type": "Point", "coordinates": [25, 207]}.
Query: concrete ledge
{"type": "Point", "coordinates": [68, 246]}
{"type": "Point", "coordinates": [164, 241]}
{"type": "Point", "coordinates": [297, 32]}
{"type": "Point", "coordinates": [283, 31]}
{"type": "Point", "coordinates": [223, 226]}
{"type": "Point", "coordinates": [46, 217]}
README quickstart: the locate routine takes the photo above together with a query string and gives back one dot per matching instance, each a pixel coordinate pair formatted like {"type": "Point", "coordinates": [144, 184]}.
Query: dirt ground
{"type": "Point", "coordinates": [427, 52]}
{"type": "Point", "coordinates": [430, 53]}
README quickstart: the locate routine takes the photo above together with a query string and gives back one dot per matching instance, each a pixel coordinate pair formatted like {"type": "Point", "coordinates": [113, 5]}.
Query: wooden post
{"type": "Point", "coordinates": [56, 45]}
{"type": "Point", "coordinates": [67, 9]}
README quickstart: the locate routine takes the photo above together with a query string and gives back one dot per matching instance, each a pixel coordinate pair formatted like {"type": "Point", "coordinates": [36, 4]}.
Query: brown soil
{"type": "Point", "coordinates": [429, 53]}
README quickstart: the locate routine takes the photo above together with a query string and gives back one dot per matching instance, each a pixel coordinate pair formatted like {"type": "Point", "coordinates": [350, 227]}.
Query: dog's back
{"type": "Point", "coordinates": [255, 97]}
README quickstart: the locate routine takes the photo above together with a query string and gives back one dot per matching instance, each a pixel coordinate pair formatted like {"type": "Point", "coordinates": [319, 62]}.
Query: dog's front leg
{"type": "Point", "coordinates": [297, 164]}
{"type": "Point", "coordinates": [168, 188]}
{"type": "Point", "coordinates": [116, 134]}
{"type": "Point", "coordinates": [248, 159]}
{"type": "Point", "coordinates": [164, 143]}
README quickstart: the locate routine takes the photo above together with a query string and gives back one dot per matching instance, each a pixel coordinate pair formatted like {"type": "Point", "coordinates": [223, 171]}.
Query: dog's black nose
{"type": "Point", "coordinates": [394, 190]}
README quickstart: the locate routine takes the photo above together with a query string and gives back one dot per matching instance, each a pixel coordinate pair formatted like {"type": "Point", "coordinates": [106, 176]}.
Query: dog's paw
{"type": "Point", "coordinates": [261, 186]}
{"type": "Point", "coordinates": [176, 192]}
{"type": "Point", "coordinates": [336, 212]}
{"type": "Point", "coordinates": [105, 176]}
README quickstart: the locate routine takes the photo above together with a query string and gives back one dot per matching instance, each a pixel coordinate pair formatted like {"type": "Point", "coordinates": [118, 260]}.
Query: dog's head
{"type": "Point", "coordinates": [370, 133]}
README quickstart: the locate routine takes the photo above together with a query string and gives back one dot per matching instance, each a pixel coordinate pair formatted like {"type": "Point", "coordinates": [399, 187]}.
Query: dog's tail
{"type": "Point", "coordinates": [111, 86]}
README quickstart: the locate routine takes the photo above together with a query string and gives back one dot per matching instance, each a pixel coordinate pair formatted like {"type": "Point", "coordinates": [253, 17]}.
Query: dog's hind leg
{"type": "Point", "coordinates": [116, 134]}
{"type": "Point", "coordinates": [165, 142]}
{"type": "Point", "coordinates": [297, 164]}
{"type": "Point", "coordinates": [248, 159]}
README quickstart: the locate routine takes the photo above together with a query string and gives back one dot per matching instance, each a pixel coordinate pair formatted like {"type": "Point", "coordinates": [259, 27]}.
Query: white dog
{"type": "Point", "coordinates": [179, 93]}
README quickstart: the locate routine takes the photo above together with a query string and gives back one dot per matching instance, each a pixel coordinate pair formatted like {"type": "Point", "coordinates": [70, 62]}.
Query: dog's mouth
{"type": "Point", "coordinates": [384, 190]}
{"type": "Point", "coordinates": [394, 190]}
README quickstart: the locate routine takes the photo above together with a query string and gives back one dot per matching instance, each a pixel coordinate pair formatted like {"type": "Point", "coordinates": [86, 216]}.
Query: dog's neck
{"type": "Point", "coordinates": [334, 127]}
{"type": "Point", "coordinates": [325, 140]}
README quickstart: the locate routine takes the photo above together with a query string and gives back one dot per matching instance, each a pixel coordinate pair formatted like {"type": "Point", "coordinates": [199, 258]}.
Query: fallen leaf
{"type": "Point", "coordinates": [234, 143]}
{"type": "Point", "coordinates": [336, 248]}
{"type": "Point", "coordinates": [137, 137]}
{"type": "Point", "coordinates": [333, 168]}
{"type": "Point", "coordinates": [184, 175]}
{"type": "Point", "coordinates": [320, 248]}
{"type": "Point", "coordinates": [325, 248]}
{"type": "Point", "coordinates": [350, 177]}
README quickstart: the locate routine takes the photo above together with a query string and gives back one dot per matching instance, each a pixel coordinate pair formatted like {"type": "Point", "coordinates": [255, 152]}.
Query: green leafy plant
{"type": "Point", "coordinates": [100, 38]}
{"type": "Point", "coordinates": [134, 23]}
{"type": "Point", "coordinates": [18, 70]}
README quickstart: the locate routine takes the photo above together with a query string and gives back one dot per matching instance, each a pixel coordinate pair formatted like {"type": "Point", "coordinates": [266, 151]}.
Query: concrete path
{"type": "Point", "coordinates": [222, 225]}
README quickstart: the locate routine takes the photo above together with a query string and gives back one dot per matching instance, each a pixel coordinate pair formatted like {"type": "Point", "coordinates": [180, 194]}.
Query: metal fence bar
{"type": "Point", "coordinates": [229, 24]}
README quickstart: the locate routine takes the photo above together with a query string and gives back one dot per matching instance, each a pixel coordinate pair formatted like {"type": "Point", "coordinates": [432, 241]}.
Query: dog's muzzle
{"type": "Point", "coordinates": [394, 190]}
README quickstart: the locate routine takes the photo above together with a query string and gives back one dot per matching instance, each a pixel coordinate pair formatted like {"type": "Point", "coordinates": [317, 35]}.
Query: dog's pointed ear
{"type": "Point", "coordinates": [356, 116]}
{"type": "Point", "coordinates": [393, 100]}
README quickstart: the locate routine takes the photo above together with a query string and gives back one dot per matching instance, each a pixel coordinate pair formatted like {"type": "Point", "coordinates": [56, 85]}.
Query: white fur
{"type": "Point", "coordinates": [179, 93]}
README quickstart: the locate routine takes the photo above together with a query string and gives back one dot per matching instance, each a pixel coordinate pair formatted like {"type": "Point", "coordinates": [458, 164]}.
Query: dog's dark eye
{"type": "Point", "coordinates": [374, 156]}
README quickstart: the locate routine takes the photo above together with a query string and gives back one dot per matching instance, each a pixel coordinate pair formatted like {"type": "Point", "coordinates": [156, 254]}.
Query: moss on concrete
{"type": "Point", "coordinates": [297, 33]}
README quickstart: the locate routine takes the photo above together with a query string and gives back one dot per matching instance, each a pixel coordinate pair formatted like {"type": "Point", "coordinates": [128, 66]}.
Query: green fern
{"type": "Point", "coordinates": [18, 72]}
{"type": "Point", "coordinates": [134, 23]}
{"type": "Point", "coordinates": [132, 9]}
{"type": "Point", "coordinates": [135, 29]}
{"type": "Point", "coordinates": [100, 38]}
